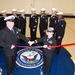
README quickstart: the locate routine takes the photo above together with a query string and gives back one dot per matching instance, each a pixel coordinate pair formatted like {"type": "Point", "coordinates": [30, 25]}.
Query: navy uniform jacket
{"type": "Point", "coordinates": [44, 22]}
{"type": "Point", "coordinates": [60, 30]}
{"type": "Point", "coordinates": [33, 21]}
{"type": "Point", "coordinates": [22, 21]}
{"type": "Point", "coordinates": [53, 21]}
{"type": "Point", "coordinates": [46, 41]}
{"type": "Point", "coordinates": [8, 38]}
{"type": "Point", "coordinates": [2, 23]}
{"type": "Point", "coordinates": [22, 24]}
{"type": "Point", "coordinates": [17, 22]}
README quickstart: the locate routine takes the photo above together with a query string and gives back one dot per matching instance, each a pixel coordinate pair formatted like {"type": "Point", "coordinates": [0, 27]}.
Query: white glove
{"type": "Point", "coordinates": [45, 46]}
{"type": "Point", "coordinates": [13, 46]}
{"type": "Point", "coordinates": [30, 43]}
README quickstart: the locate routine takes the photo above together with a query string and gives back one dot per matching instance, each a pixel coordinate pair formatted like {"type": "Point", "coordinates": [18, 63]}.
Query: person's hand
{"type": "Point", "coordinates": [33, 30]}
{"type": "Point", "coordinates": [13, 46]}
{"type": "Point", "coordinates": [59, 37]}
{"type": "Point", "coordinates": [44, 31]}
{"type": "Point", "coordinates": [30, 43]}
{"type": "Point", "coordinates": [45, 46]}
{"type": "Point", "coordinates": [49, 47]}
{"type": "Point", "coordinates": [19, 30]}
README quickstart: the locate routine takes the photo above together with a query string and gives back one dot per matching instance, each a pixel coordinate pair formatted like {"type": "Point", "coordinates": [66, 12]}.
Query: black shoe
{"type": "Point", "coordinates": [14, 68]}
{"type": "Point", "coordinates": [42, 68]}
{"type": "Point", "coordinates": [12, 74]}
{"type": "Point", "coordinates": [56, 52]}
{"type": "Point", "coordinates": [45, 73]}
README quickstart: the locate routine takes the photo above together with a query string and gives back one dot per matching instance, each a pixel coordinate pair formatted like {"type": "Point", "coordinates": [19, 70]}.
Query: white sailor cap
{"type": "Point", "coordinates": [33, 9]}
{"type": "Point", "coordinates": [43, 9]}
{"type": "Point", "coordinates": [14, 10]}
{"type": "Point", "coordinates": [60, 13]}
{"type": "Point", "coordinates": [3, 11]}
{"type": "Point", "coordinates": [54, 9]}
{"type": "Point", "coordinates": [10, 18]}
{"type": "Point", "coordinates": [22, 10]}
{"type": "Point", "coordinates": [50, 29]}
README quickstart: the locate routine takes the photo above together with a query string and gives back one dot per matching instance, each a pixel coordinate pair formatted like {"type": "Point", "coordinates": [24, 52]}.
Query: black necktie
{"type": "Point", "coordinates": [48, 39]}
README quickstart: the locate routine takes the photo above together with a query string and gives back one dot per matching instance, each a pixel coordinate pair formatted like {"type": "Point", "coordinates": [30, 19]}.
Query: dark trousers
{"type": "Point", "coordinates": [10, 63]}
{"type": "Point", "coordinates": [42, 33]}
{"type": "Point", "coordinates": [59, 41]}
{"type": "Point", "coordinates": [33, 33]}
{"type": "Point", "coordinates": [23, 30]}
{"type": "Point", "coordinates": [47, 57]}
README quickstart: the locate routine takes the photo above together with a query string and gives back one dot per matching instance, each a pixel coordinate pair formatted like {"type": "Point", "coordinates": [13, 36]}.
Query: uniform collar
{"type": "Point", "coordinates": [60, 19]}
{"type": "Point", "coordinates": [53, 15]}
{"type": "Point", "coordinates": [23, 16]}
{"type": "Point", "coordinates": [49, 37]}
{"type": "Point", "coordinates": [10, 28]}
{"type": "Point", "coordinates": [42, 15]}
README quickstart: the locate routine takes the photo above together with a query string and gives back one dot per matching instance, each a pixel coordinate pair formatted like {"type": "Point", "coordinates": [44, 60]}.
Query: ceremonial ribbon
{"type": "Point", "coordinates": [57, 46]}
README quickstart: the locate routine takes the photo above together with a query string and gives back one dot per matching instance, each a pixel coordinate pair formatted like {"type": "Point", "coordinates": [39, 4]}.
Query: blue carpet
{"type": "Point", "coordinates": [61, 65]}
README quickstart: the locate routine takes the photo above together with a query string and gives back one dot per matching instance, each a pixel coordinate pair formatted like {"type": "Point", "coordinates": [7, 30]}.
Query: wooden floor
{"type": "Point", "coordinates": [68, 38]}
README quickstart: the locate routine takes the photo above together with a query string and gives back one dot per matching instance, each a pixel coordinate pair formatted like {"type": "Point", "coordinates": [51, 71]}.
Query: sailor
{"type": "Point", "coordinates": [60, 30]}
{"type": "Point", "coordinates": [33, 23]}
{"type": "Point", "coordinates": [48, 40]}
{"type": "Point", "coordinates": [2, 22]}
{"type": "Point", "coordinates": [22, 20]}
{"type": "Point", "coordinates": [53, 19]}
{"type": "Point", "coordinates": [8, 40]}
{"type": "Point", "coordinates": [43, 22]}
{"type": "Point", "coordinates": [14, 12]}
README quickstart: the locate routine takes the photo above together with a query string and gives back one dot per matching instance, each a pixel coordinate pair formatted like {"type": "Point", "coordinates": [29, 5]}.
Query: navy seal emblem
{"type": "Point", "coordinates": [29, 58]}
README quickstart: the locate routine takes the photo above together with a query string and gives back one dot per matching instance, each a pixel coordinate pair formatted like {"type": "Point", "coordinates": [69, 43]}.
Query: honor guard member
{"type": "Point", "coordinates": [43, 22]}
{"type": "Point", "coordinates": [60, 30]}
{"type": "Point", "coordinates": [8, 40]}
{"type": "Point", "coordinates": [53, 19]}
{"type": "Point", "coordinates": [22, 23]}
{"type": "Point", "coordinates": [22, 20]}
{"type": "Point", "coordinates": [33, 23]}
{"type": "Point", "coordinates": [48, 40]}
{"type": "Point", "coordinates": [2, 22]}
{"type": "Point", "coordinates": [14, 12]}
